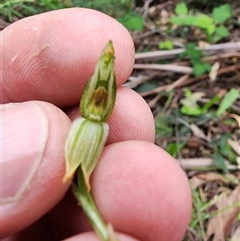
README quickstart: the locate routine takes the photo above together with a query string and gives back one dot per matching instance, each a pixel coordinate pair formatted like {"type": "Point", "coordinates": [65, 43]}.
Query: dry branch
{"type": "Point", "coordinates": [169, 54]}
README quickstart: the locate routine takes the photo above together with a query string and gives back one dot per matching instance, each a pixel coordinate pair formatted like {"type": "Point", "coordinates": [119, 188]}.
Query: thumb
{"type": "Point", "coordinates": [32, 163]}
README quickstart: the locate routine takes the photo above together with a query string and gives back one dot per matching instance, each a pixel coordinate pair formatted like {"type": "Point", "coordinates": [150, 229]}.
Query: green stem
{"type": "Point", "coordinates": [85, 199]}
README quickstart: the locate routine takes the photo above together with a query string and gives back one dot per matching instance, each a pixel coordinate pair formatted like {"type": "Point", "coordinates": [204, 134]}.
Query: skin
{"type": "Point", "coordinates": [138, 187]}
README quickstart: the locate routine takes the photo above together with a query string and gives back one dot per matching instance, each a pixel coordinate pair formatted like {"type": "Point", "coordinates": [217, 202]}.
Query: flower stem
{"type": "Point", "coordinates": [84, 197]}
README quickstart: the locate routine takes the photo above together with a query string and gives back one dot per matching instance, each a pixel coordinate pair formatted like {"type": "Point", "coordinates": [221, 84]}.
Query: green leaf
{"type": "Point", "coordinates": [225, 150]}
{"type": "Point", "coordinates": [210, 29]}
{"type": "Point", "coordinates": [176, 20]}
{"type": "Point", "coordinates": [196, 111]}
{"type": "Point", "coordinates": [228, 100]}
{"type": "Point", "coordinates": [132, 21]}
{"type": "Point", "coordinates": [149, 85]}
{"type": "Point", "coordinates": [188, 20]}
{"type": "Point", "coordinates": [214, 100]}
{"type": "Point", "coordinates": [181, 9]}
{"type": "Point", "coordinates": [162, 125]}
{"type": "Point", "coordinates": [191, 51]}
{"type": "Point", "coordinates": [167, 44]}
{"type": "Point", "coordinates": [219, 162]}
{"type": "Point", "coordinates": [221, 32]}
{"type": "Point", "coordinates": [204, 22]}
{"type": "Point", "coordinates": [198, 69]}
{"type": "Point", "coordinates": [222, 13]}
{"type": "Point", "coordinates": [174, 148]}
{"type": "Point", "coordinates": [189, 103]}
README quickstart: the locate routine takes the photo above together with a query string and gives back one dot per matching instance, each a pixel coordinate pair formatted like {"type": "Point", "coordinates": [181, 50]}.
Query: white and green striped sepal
{"type": "Point", "coordinates": [83, 147]}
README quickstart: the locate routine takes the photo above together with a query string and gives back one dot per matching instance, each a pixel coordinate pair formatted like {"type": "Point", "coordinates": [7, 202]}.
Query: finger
{"type": "Point", "coordinates": [50, 56]}
{"type": "Point", "coordinates": [131, 118]}
{"type": "Point", "coordinates": [142, 191]}
{"type": "Point", "coordinates": [90, 236]}
{"type": "Point", "coordinates": [32, 162]}
{"type": "Point", "coordinates": [138, 188]}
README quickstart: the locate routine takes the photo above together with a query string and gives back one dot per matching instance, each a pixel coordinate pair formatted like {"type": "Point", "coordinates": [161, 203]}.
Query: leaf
{"type": "Point", "coordinates": [181, 9]}
{"type": "Point", "coordinates": [132, 21]}
{"type": "Point", "coordinates": [219, 162]}
{"type": "Point", "coordinates": [173, 148]}
{"type": "Point", "coordinates": [215, 99]}
{"type": "Point", "coordinates": [200, 68]}
{"type": "Point", "coordinates": [191, 51]}
{"type": "Point", "coordinates": [222, 13]}
{"type": "Point", "coordinates": [162, 126]}
{"type": "Point", "coordinates": [205, 22]}
{"type": "Point", "coordinates": [146, 86]}
{"type": "Point", "coordinates": [202, 21]}
{"type": "Point", "coordinates": [225, 149]}
{"type": "Point", "coordinates": [227, 101]}
{"type": "Point", "coordinates": [190, 106]}
{"type": "Point", "coordinates": [237, 118]}
{"type": "Point", "coordinates": [221, 31]}
{"type": "Point", "coordinates": [188, 20]}
{"type": "Point", "coordinates": [176, 20]}
{"type": "Point", "coordinates": [228, 208]}
{"type": "Point", "coordinates": [166, 45]}
{"type": "Point", "coordinates": [196, 111]}
{"type": "Point", "coordinates": [214, 71]}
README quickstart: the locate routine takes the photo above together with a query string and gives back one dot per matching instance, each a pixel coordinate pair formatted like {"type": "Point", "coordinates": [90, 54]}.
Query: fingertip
{"type": "Point", "coordinates": [131, 118]}
{"type": "Point", "coordinates": [43, 53]}
{"type": "Point", "coordinates": [33, 162]}
{"type": "Point", "coordinates": [90, 236]}
{"type": "Point", "coordinates": [142, 191]}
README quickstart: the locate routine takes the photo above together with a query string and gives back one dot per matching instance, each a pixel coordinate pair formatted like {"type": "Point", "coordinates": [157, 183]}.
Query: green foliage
{"type": "Point", "coordinates": [162, 126]}
{"type": "Point", "coordinates": [132, 21]}
{"type": "Point", "coordinates": [191, 51]}
{"type": "Point", "coordinates": [221, 32]}
{"type": "Point", "coordinates": [219, 162]}
{"type": "Point", "coordinates": [149, 85]}
{"type": "Point", "coordinates": [200, 213]}
{"type": "Point", "coordinates": [223, 152]}
{"type": "Point", "coordinates": [190, 106]}
{"type": "Point", "coordinates": [23, 8]}
{"type": "Point", "coordinates": [189, 103]}
{"type": "Point", "coordinates": [181, 9]}
{"type": "Point", "coordinates": [52, 4]}
{"type": "Point", "coordinates": [195, 55]}
{"type": "Point", "coordinates": [125, 14]}
{"type": "Point", "coordinates": [167, 44]}
{"type": "Point", "coordinates": [212, 25]}
{"type": "Point", "coordinates": [221, 14]}
{"type": "Point", "coordinates": [204, 22]}
{"type": "Point", "coordinates": [11, 8]}
{"type": "Point", "coordinates": [173, 148]}
{"type": "Point", "coordinates": [227, 101]}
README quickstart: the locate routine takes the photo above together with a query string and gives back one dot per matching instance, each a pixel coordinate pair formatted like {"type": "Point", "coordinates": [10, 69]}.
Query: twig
{"type": "Point", "coordinates": [169, 54]}
{"type": "Point", "coordinates": [190, 81]}
{"type": "Point", "coordinates": [200, 163]}
{"type": "Point", "coordinates": [168, 67]}
{"type": "Point", "coordinates": [169, 87]}
{"type": "Point", "coordinates": [134, 81]}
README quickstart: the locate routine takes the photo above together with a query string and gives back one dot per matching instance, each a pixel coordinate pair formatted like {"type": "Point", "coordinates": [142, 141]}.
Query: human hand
{"type": "Point", "coordinates": [137, 186]}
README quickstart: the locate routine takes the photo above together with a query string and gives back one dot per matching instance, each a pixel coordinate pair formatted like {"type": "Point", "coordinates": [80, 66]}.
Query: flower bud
{"type": "Point", "coordinates": [99, 94]}
{"type": "Point", "coordinates": [83, 147]}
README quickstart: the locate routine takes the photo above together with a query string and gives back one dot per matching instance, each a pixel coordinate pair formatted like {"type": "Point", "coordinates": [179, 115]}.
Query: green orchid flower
{"type": "Point", "coordinates": [87, 137]}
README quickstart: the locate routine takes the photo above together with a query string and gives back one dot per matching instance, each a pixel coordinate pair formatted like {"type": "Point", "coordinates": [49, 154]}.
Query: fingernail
{"type": "Point", "coordinates": [24, 138]}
